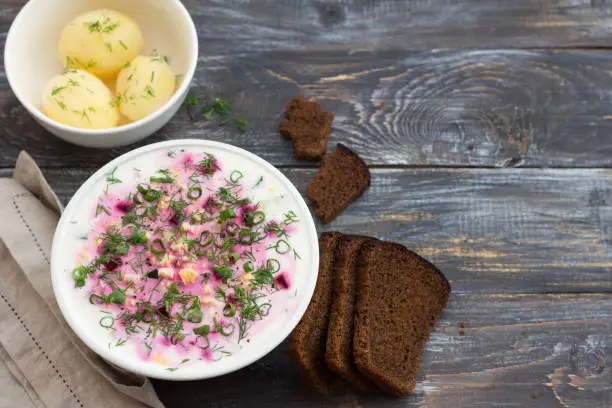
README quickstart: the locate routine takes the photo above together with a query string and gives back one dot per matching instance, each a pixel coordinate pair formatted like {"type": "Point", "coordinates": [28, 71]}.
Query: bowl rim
{"type": "Point", "coordinates": [178, 94]}
{"type": "Point", "coordinates": [178, 375]}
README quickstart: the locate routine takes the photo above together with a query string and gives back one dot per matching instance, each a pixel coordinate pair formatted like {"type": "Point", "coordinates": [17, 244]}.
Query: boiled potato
{"type": "Point", "coordinates": [77, 98]}
{"type": "Point", "coordinates": [144, 86]}
{"type": "Point", "coordinates": [100, 42]}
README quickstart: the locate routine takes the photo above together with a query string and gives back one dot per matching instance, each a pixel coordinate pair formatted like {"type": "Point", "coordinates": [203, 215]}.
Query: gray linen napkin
{"type": "Point", "coordinates": [42, 362]}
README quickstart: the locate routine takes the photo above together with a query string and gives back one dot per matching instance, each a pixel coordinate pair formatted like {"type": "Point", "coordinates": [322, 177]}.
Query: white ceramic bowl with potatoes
{"type": "Point", "coordinates": [32, 58]}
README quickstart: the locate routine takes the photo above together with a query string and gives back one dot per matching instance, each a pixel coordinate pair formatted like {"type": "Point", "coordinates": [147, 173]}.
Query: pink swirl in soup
{"type": "Point", "coordinates": [185, 261]}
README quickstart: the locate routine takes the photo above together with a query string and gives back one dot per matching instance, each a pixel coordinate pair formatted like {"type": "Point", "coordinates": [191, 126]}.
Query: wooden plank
{"type": "Point", "coordinates": [246, 26]}
{"type": "Point", "coordinates": [490, 231]}
{"type": "Point", "coordinates": [460, 108]}
{"type": "Point", "coordinates": [514, 351]}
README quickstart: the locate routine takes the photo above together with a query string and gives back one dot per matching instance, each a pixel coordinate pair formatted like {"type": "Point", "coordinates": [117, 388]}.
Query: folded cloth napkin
{"type": "Point", "coordinates": [42, 362]}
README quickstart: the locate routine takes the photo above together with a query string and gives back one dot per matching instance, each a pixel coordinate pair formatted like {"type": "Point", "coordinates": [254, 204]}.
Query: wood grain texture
{"type": "Point", "coordinates": [245, 26]}
{"type": "Point", "coordinates": [515, 351]}
{"type": "Point", "coordinates": [489, 231]}
{"type": "Point", "coordinates": [458, 108]}
{"type": "Point", "coordinates": [495, 233]}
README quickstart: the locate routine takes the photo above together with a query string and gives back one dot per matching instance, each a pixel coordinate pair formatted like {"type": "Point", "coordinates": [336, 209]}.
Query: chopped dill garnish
{"type": "Point", "coordinates": [149, 91]}
{"type": "Point", "coordinates": [110, 177]}
{"type": "Point", "coordinates": [296, 255]}
{"type": "Point", "coordinates": [290, 218]}
{"type": "Point", "coordinates": [83, 114]}
{"type": "Point", "coordinates": [123, 45]}
{"type": "Point", "coordinates": [163, 178]}
{"type": "Point", "coordinates": [115, 102]}
{"type": "Point", "coordinates": [71, 63]}
{"type": "Point", "coordinates": [57, 89]}
{"type": "Point", "coordinates": [219, 107]}
{"type": "Point", "coordinates": [241, 124]}
{"type": "Point", "coordinates": [61, 104]}
{"type": "Point", "coordinates": [159, 58]}
{"type": "Point", "coordinates": [102, 25]}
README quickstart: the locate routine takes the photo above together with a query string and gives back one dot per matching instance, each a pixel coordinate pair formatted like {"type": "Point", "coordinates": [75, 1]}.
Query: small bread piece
{"type": "Point", "coordinates": [342, 178]}
{"type": "Point", "coordinates": [399, 299]}
{"type": "Point", "coordinates": [308, 125]}
{"type": "Point", "coordinates": [307, 342]}
{"type": "Point", "coordinates": [339, 352]}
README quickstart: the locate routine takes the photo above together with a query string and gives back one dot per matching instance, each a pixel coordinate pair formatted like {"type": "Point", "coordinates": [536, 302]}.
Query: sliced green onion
{"type": "Point", "coordinates": [205, 239]}
{"type": "Point", "coordinates": [253, 219]}
{"type": "Point", "coordinates": [194, 193]}
{"type": "Point", "coordinates": [221, 330]}
{"type": "Point", "coordinates": [158, 247]}
{"type": "Point", "coordinates": [226, 215]}
{"type": "Point", "coordinates": [174, 289]}
{"type": "Point", "coordinates": [248, 266]}
{"type": "Point", "coordinates": [229, 310]}
{"type": "Point", "coordinates": [79, 274]}
{"type": "Point", "coordinates": [234, 257]}
{"type": "Point", "coordinates": [96, 299]}
{"type": "Point", "coordinates": [246, 237]}
{"type": "Point", "coordinates": [152, 195]}
{"type": "Point", "coordinates": [154, 274]}
{"type": "Point", "coordinates": [273, 265]}
{"type": "Point", "coordinates": [107, 322]}
{"type": "Point", "coordinates": [236, 176]}
{"type": "Point", "coordinates": [281, 247]}
{"type": "Point", "coordinates": [117, 297]}
{"type": "Point", "coordinates": [148, 315]}
{"type": "Point", "coordinates": [143, 189]}
{"type": "Point", "coordinates": [176, 338]}
{"type": "Point", "coordinates": [202, 330]}
{"type": "Point", "coordinates": [195, 316]}
{"type": "Point", "coordinates": [223, 271]}
{"type": "Point", "coordinates": [264, 309]}
{"type": "Point", "coordinates": [231, 228]}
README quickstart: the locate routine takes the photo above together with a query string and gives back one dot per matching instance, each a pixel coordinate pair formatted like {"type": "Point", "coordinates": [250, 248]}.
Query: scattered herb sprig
{"type": "Point", "coordinates": [202, 107]}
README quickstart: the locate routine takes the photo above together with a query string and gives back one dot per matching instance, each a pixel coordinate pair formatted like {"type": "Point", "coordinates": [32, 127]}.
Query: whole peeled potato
{"type": "Point", "coordinates": [144, 86]}
{"type": "Point", "coordinates": [100, 42]}
{"type": "Point", "coordinates": [77, 98]}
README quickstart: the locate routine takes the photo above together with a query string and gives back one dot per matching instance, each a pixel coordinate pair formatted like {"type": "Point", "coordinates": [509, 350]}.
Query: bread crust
{"type": "Point", "coordinates": [308, 340]}
{"type": "Point", "coordinates": [342, 178]}
{"type": "Point", "coordinates": [339, 350]}
{"type": "Point", "coordinates": [400, 297]}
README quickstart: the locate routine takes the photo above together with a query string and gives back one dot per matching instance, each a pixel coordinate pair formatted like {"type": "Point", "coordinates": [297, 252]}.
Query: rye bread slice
{"type": "Point", "coordinates": [307, 342]}
{"type": "Point", "coordinates": [342, 178]}
{"type": "Point", "coordinates": [339, 351]}
{"type": "Point", "coordinates": [399, 299]}
{"type": "Point", "coordinates": [308, 125]}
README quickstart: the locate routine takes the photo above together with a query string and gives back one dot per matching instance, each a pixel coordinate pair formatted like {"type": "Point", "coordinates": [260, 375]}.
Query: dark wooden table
{"type": "Point", "coordinates": [488, 128]}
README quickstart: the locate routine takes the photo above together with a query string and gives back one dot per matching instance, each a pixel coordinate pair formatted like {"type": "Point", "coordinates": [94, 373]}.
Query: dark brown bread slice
{"type": "Point", "coordinates": [339, 351]}
{"type": "Point", "coordinates": [307, 342]}
{"type": "Point", "coordinates": [399, 299]}
{"type": "Point", "coordinates": [342, 178]}
{"type": "Point", "coordinates": [308, 125]}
